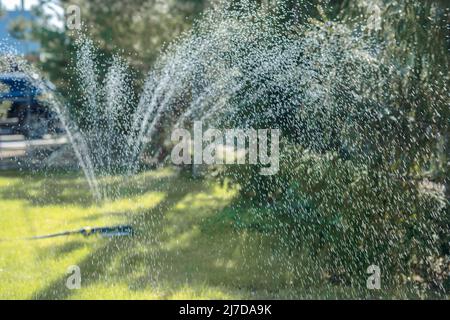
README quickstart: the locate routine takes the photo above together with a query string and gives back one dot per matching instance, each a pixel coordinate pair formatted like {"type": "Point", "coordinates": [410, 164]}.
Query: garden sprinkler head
{"type": "Point", "coordinates": [110, 232]}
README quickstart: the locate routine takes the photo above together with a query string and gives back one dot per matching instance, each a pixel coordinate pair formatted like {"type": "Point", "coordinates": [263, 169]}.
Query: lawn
{"type": "Point", "coordinates": [185, 246]}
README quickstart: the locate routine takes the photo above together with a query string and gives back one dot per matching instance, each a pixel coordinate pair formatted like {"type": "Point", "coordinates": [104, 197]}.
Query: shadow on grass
{"type": "Point", "coordinates": [95, 267]}
{"type": "Point", "coordinates": [62, 249]}
{"type": "Point", "coordinates": [186, 246]}
{"type": "Point", "coordinates": [190, 245]}
{"type": "Point", "coordinates": [71, 188]}
{"type": "Point", "coordinates": [50, 188]}
{"type": "Point", "coordinates": [178, 253]}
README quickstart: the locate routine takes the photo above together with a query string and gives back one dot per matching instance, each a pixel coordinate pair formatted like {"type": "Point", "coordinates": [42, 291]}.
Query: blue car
{"type": "Point", "coordinates": [32, 118]}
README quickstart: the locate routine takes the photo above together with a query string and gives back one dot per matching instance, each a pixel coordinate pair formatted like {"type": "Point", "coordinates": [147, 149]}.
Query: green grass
{"type": "Point", "coordinates": [185, 247]}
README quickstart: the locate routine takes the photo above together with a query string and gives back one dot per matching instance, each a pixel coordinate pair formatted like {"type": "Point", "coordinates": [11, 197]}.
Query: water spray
{"type": "Point", "coordinates": [105, 232]}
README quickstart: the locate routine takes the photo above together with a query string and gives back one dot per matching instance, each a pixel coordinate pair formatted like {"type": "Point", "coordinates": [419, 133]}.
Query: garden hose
{"type": "Point", "coordinates": [107, 232]}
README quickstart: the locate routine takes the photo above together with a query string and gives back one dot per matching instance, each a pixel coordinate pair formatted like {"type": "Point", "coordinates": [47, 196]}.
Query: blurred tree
{"type": "Point", "coordinates": [416, 41]}
{"type": "Point", "coordinates": [140, 27]}
{"type": "Point", "coordinates": [137, 30]}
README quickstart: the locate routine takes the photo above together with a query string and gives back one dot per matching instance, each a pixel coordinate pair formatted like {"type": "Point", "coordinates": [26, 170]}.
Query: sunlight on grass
{"type": "Point", "coordinates": [123, 291]}
{"type": "Point", "coordinates": [186, 245]}
{"type": "Point", "coordinates": [33, 204]}
{"type": "Point", "coordinates": [27, 266]}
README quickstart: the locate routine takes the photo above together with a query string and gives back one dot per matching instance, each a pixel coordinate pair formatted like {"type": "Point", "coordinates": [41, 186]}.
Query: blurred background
{"type": "Point", "coordinates": [415, 33]}
{"type": "Point", "coordinates": [37, 31]}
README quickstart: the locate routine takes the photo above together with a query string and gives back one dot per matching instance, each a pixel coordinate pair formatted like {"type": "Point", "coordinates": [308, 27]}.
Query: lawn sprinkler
{"type": "Point", "coordinates": [106, 232]}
